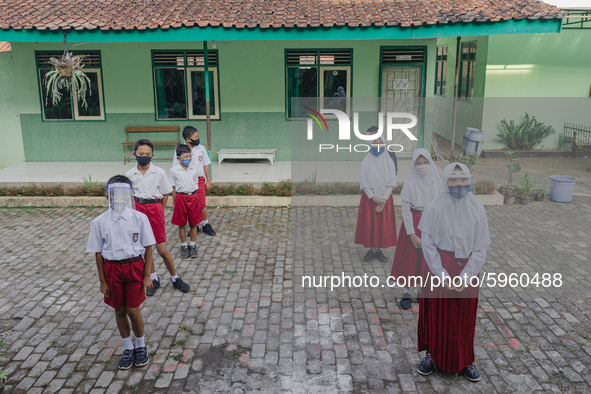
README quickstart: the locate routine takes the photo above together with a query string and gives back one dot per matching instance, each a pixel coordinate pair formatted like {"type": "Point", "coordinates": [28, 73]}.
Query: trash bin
{"type": "Point", "coordinates": [475, 143]}
{"type": "Point", "coordinates": [465, 138]}
{"type": "Point", "coordinates": [562, 188]}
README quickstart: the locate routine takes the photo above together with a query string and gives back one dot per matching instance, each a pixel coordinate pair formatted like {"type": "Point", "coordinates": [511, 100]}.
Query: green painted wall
{"type": "Point", "coordinates": [524, 68]}
{"type": "Point", "coordinates": [11, 148]}
{"type": "Point", "coordinates": [252, 95]}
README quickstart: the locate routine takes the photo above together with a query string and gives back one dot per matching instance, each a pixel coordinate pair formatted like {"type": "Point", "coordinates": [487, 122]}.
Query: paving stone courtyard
{"type": "Point", "coordinates": [248, 325]}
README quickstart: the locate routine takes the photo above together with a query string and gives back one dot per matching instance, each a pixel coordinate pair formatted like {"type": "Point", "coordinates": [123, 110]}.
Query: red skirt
{"type": "Point", "coordinates": [408, 260]}
{"type": "Point", "coordinates": [447, 323]}
{"type": "Point", "coordinates": [375, 230]}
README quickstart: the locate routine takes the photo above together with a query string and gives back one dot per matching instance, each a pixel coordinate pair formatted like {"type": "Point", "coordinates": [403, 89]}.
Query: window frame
{"type": "Point", "coordinates": [73, 104]}
{"type": "Point", "coordinates": [440, 75]}
{"type": "Point", "coordinates": [187, 67]}
{"type": "Point", "coordinates": [320, 77]}
{"type": "Point", "coordinates": [466, 93]}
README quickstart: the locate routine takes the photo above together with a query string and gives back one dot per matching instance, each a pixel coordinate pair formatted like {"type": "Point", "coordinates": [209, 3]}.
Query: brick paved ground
{"type": "Point", "coordinates": [248, 325]}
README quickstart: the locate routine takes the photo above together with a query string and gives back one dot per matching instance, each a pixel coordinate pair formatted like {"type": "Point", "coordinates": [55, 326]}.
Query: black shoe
{"type": "Point", "coordinates": [185, 252]}
{"type": "Point", "coordinates": [193, 251]}
{"type": "Point", "coordinates": [207, 229]}
{"type": "Point", "coordinates": [471, 373]}
{"type": "Point", "coordinates": [179, 284]}
{"type": "Point", "coordinates": [381, 257]}
{"type": "Point", "coordinates": [426, 367]}
{"type": "Point", "coordinates": [127, 359]}
{"type": "Point", "coordinates": [141, 357]}
{"type": "Point", "coordinates": [189, 232]}
{"type": "Point", "coordinates": [155, 286]}
{"type": "Point", "coordinates": [369, 256]}
{"type": "Point", "coordinates": [405, 302]}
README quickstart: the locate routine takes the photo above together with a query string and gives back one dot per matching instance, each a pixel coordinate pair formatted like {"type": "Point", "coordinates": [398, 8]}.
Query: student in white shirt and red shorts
{"type": "Point", "coordinates": [185, 197]}
{"type": "Point", "coordinates": [151, 188]}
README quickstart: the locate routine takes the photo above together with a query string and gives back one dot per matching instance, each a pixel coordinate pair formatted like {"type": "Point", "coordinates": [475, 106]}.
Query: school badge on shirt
{"type": "Point", "coordinates": [135, 236]}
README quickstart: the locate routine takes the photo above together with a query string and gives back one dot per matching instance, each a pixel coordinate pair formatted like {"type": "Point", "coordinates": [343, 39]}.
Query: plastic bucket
{"type": "Point", "coordinates": [466, 136]}
{"type": "Point", "coordinates": [562, 188]}
{"type": "Point", "coordinates": [475, 143]}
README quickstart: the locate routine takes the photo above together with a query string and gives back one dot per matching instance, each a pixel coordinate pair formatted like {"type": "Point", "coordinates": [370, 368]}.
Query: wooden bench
{"type": "Point", "coordinates": [129, 145]}
{"type": "Point", "coordinates": [246, 154]}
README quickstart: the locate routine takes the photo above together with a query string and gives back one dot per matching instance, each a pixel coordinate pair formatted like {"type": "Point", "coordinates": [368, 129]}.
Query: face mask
{"type": "Point", "coordinates": [143, 160]}
{"type": "Point", "coordinates": [186, 162]}
{"type": "Point", "coordinates": [119, 206]}
{"type": "Point", "coordinates": [423, 169]}
{"type": "Point", "coordinates": [194, 142]}
{"type": "Point", "coordinates": [459, 191]}
{"type": "Point", "coordinates": [377, 150]}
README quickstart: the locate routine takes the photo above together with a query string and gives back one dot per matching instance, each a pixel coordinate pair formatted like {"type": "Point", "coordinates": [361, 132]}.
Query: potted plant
{"type": "Point", "coordinates": [3, 377]}
{"type": "Point", "coordinates": [509, 191]}
{"type": "Point", "coordinates": [67, 74]}
{"type": "Point", "coordinates": [540, 194]}
{"type": "Point", "coordinates": [526, 190]}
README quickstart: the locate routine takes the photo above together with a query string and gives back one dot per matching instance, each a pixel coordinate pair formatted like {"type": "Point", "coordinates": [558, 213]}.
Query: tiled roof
{"type": "Point", "coordinates": [5, 46]}
{"type": "Point", "coordinates": [153, 14]}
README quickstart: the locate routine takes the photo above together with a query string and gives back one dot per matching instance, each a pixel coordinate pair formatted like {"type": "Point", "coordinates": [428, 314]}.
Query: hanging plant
{"type": "Point", "coordinates": [67, 74]}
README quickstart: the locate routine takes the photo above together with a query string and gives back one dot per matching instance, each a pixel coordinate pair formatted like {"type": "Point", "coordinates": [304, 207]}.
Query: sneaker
{"type": "Point", "coordinates": [127, 359]}
{"type": "Point", "coordinates": [155, 286]}
{"type": "Point", "coordinates": [185, 254]}
{"type": "Point", "coordinates": [141, 357]}
{"type": "Point", "coordinates": [369, 256]}
{"type": "Point", "coordinates": [426, 367]}
{"type": "Point", "coordinates": [207, 229]}
{"type": "Point", "coordinates": [179, 284]}
{"type": "Point", "coordinates": [193, 251]}
{"type": "Point", "coordinates": [381, 257]}
{"type": "Point", "coordinates": [405, 301]}
{"type": "Point", "coordinates": [471, 373]}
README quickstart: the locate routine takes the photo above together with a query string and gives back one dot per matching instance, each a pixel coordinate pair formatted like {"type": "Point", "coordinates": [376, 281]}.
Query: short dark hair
{"type": "Point", "coordinates": [144, 141]}
{"type": "Point", "coordinates": [188, 131]}
{"type": "Point", "coordinates": [182, 148]}
{"type": "Point", "coordinates": [372, 130]}
{"type": "Point", "coordinates": [117, 179]}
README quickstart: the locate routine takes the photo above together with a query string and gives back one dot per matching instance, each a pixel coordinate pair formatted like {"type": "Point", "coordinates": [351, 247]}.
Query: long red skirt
{"type": "Point", "coordinates": [408, 260]}
{"type": "Point", "coordinates": [375, 230]}
{"type": "Point", "coordinates": [447, 323]}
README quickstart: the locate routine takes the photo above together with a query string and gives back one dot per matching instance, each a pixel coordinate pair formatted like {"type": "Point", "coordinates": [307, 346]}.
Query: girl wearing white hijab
{"type": "Point", "coordinates": [454, 238]}
{"type": "Point", "coordinates": [376, 220]}
{"type": "Point", "coordinates": [422, 186]}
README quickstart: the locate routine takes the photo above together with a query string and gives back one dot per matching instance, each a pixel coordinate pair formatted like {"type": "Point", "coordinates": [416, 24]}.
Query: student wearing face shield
{"type": "Point", "coordinates": [376, 219]}
{"type": "Point", "coordinates": [122, 239]}
{"type": "Point", "coordinates": [422, 186]}
{"type": "Point", "coordinates": [454, 238]}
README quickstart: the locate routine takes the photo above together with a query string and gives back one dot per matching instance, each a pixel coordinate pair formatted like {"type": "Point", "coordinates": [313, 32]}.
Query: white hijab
{"type": "Point", "coordinates": [419, 189]}
{"type": "Point", "coordinates": [457, 225]}
{"type": "Point", "coordinates": [378, 173]}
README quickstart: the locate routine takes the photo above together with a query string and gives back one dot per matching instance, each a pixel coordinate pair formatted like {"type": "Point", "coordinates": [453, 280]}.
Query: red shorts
{"type": "Point", "coordinates": [125, 281]}
{"type": "Point", "coordinates": [186, 207]}
{"type": "Point", "coordinates": [201, 192]}
{"type": "Point", "coordinates": [155, 213]}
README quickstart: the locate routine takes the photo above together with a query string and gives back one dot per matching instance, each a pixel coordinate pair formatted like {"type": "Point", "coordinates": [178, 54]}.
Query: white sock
{"type": "Point", "coordinates": [183, 244]}
{"type": "Point", "coordinates": [173, 277]}
{"type": "Point", "coordinates": [127, 343]}
{"type": "Point", "coordinates": [154, 276]}
{"type": "Point", "coordinates": [139, 342]}
{"type": "Point", "coordinates": [205, 222]}
{"type": "Point", "coordinates": [193, 243]}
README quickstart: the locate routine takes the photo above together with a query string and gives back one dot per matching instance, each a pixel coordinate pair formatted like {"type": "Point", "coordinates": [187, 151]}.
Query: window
{"type": "Point", "coordinates": [179, 84]}
{"type": "Point", "coordinates": [319, 79]}
{"type": "Point", "coordinates": [66, 108]}
{"type": "Point", "coordinates": [441, 70]}
{"type": "Point", "coordinates": [467, 67]}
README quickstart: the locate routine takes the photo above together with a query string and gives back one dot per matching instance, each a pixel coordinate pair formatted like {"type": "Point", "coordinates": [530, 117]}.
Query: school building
{"type": "Point", "coordinates": [147, 66]}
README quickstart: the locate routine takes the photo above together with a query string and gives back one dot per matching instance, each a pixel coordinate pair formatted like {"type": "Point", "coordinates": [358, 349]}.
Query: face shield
{"type": "Point", "coordinates": [119, 196]}
{"type": "Point", "coordinates": [457, 182]}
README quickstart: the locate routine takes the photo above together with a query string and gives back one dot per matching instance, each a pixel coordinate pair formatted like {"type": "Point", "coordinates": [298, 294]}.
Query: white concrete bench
{"type": "Point", "coordinates": [246, 154]}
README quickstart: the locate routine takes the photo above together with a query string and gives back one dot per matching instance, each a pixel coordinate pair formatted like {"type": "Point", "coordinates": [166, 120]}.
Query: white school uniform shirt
{"type": "Point", "coordinates": [153, 184]}
{"type": "Point", "coordinates": [184, 181]}
{"type": "Point", "coordinates": [200, 159]}
{"type": "Point", "coordinates": [378, 175]}
{"type": "Point", "coordinates": [119, 237]}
